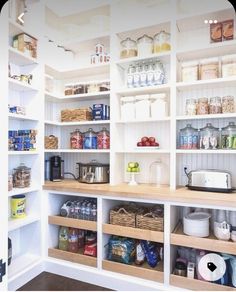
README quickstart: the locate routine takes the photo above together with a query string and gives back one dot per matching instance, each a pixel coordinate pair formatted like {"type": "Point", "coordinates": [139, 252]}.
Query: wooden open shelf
{"type": "Point", "coordinates": [208, 243]}
{"type": "Point", "coordinates": [137, 233]}
{"type": "Point", "coordinates": [143, 271]}
{"type": "Point", "coordinates": [78, 258]}
{"type": "Point", "coordinates": [70, 222]}
{"type": "Point", "coordinates": [197, 285]}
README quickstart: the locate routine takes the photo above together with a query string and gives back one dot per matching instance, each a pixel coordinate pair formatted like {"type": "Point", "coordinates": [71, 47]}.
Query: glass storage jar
{"type": "Point", "coordinates": [103, 139]}
{"type": "Point", "coordinates": [188, 138]}
{"type": "Point", "coordinates": [128, 48]}
{"type": "Point", "coordinates": [158, 106]}
{"type": "Point", "coordinates": [21, 176]}
{"type": "Point", "coordinates": [161, 42]}
{"type": "Point", "coordinates": [202, 106]}
{"type": "Point", "coordinates": [69, 89]}
{"type": "Point", "coordinates": [10, 183]}
{"type": "Point", "coordinates": [228, 136]}
{"type": "Point", "coordinates": [76, 139]}
{"type": "Point", "coordinates": [228, 65]}
{"type": "Point", "coordinates": [189, 71]}
{"type": "Point", "coordinates": [142, 107]}
{"type": "Point", "coordinates": [90, 139]}
{"type": "Point", "coordinates": [209, 137]}
{"type": "Point", "coordinates": [145, 45]}
{"type": "Point", "coordinates": [215, 105]}
{"type": "Point", "coordinates": [127, 108]}
{"type": "Point", "coordinates": [228, 104]}
{"type": "Point", "coordinates": [159, 76]}
{"type": "Point", "coordinates": [191, 107]}
{"type": "Point", "coordinates": [209, 68]}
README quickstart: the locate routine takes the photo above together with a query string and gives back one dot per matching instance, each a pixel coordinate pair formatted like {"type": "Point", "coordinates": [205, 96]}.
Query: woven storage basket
{"type": "Point", "coordinates": [50, 142]}
{"type": "Point", "coordinates": [149, 221]}
{"type": "Point", "coordinates": [122, 216]}
{"type": "Point", "coordinates": [76, 115]}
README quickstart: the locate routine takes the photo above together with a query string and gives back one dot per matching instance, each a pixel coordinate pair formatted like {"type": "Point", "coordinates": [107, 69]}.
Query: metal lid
{"type": "Point", "coordinates": [93, 162]}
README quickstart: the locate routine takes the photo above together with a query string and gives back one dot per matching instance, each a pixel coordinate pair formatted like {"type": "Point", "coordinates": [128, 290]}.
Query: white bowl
{"type": "Point", "coordinates": [196, 224]}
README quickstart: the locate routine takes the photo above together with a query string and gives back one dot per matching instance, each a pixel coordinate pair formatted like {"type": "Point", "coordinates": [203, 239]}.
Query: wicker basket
{"type": "Point", "coordinates": [123, 216]}
{"type": "Point", "coordinates": [149, 221]}
{"type": "Point", "coordinates": [76, 115]}
{"type": "Point", "coordinates": [50, 142]}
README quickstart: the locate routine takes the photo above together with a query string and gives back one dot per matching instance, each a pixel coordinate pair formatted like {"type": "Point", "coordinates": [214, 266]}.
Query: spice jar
{"type": "Point", "coordinates": [228, 104]}
{"type": "Point", "coordinates": [161, 42]}
{"type": "Point", "coordinates": [145, 45]}
{"type": "Point", "coordinates": [228, 136]}
{"type": "Point", "coordinates": [188, 138]}
{"type": "Point", "coordinates": [142, 107]}
{"type": "Point", "coordinates": [69, 89]}
{"type": "Point", "coordinates": [209, 68]}
{"type": "Point", "coordinates": [158, 105]}
{"type": "Point", "coordinates": [209, 137]}
{"type": "Point", "coordinates": [76, 139]}
{"type": "Point", "coordinates": [215, 105]}
{"type": "Point", "coordinates": [228, 65]}
{"type": "Point", "coordinates": [127, 108]}
{"type": "Point", "coordinates": [128, 48]}
{"type": "Point", "coordinates": [21, 176]}
{"type": "Point", "coordinates": [202, 106]}
{"type": "Point", "coordinates": [191, 107]}
{"type": "Point", "coordinates": [103, 139]}
{"type": "Point", "coordinates": [189, 71]}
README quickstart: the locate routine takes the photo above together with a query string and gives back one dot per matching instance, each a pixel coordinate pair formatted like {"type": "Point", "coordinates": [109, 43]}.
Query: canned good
{"type": "Point", "coordinates": [18, 206]}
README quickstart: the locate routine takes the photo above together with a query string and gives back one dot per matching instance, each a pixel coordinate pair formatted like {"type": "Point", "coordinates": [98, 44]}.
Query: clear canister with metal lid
{"type": "Point", "coordinates": [228, 136]}
{"type": "Point", "coordinates": [128, 48]}
{"type": "Point", "coordinates": [215, 106]}
{"type": "Point", "coordinates": [103, 139]}
{"type": "Point", "coordinates": [161, 42]}
{"type": "Point", "coordinates": [21, 176]}
{"type": "Point", "coordinates": [188, 138]}
{"type": "Point", "coordinates": [191, 107]}
{"type": "Point", "coordinates": [209, 137]}
{"type": "Point", "coordinates": [145, 45]}
{"type": "Point", "coordinates": [90, 139]}
{"type": "Point", "coordinates": [76, 139]}
{"type": "Point", "coordinates": [202, 106]}
{"type": "Point", "coordinates": [228, 104]}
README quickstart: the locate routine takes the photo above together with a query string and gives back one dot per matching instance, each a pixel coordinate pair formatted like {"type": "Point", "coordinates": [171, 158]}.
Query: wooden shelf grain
{"type": "Point", "coordinates": [70, 222]}
{"type": "Point", "coordinates": [136, 233]}
{"type": "Point", "coordinates": [78, 258]}
{"type": "Point", "coordinates": [143, 271]}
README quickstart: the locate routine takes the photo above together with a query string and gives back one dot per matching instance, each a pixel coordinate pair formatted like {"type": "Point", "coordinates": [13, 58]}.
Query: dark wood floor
{"type": "Point", "coordinates": [51, 282]}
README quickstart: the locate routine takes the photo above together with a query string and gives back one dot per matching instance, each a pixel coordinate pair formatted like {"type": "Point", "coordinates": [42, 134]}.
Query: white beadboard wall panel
{"type": "Point", "coordinates": [205, 161]}
{"type": "Point", "coordinates": [198, 93]}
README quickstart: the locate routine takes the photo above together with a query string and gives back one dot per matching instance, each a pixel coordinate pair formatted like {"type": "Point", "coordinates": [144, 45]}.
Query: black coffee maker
{"type": "Point", "coordinates": [55, 168]}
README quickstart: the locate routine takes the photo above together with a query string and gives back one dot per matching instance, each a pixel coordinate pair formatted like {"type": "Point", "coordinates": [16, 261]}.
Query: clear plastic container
{"type": "Point", "coordinates": [158, 105]}
{"type": "Point", "coordinates": [158, 73]}
{"type": "Point", "coordinates": [128, 48]}
{"type": "Point", "coordinates": [145, 45]}
{"type": "Point", "coordinates": [22, 176]}
{"type": "Point", "coordinates": [103, 139]}
{"type": "Point", "coordinates": [228, 104]}
{"type": "Point", "coordinates": [156, 172]}
{"type": "Point", "coordinates": [69, 89]}
{"type": "Point", "coordinates": [161, 42]}
{"type": "Point", "coordinates": [188, 138]}
{"type": "Point", "coordinates": [202, 106]}
{"type": "Point", "coordinates": [127, 108]}
{"type": "Point", "coordinates": [130, 76]}
{"type": "Point", "coordinates": [209, 68]}
{"type": "Point", "coordinates": [191, 107]}
{"type": "Point", "coordinates": [76, 139]}
{"type": "Point", "coordinates": [228, 136]}
{"type": "Point", "coordinates": [90, 139]}
{"type": "Point", "coordinates": [209, 137]}
{"type": "Point", "coordinates": [215, 105]}
{"type": "Point", "coordinates": [228, 65]}
{"type": "Point", "coordinates": [142, 107]}
{"type": "Point", "coordinates": [189, 71]}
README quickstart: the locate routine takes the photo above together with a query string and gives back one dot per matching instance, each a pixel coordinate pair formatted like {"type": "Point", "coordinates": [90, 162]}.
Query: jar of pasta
{"type": "Point", "coordinates": [228, 104]}
{"type": "Point", "coordinates": [202, 106]}
{"type": "Point", "coordinates": [209, 68]}
{"type": "Point", "coordinates": [191, 107]}
{"type": "Point", "coordinates": [215, 105]}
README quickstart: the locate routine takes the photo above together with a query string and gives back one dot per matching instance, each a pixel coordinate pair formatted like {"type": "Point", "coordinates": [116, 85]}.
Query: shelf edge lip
{"type": "Point", "coordinates": [22, 117]}
{"type": "Point", "coordinates": [138, 58]}
{"type": "Point", "coordinates": [74, 69]}
{"type": "Point", "coordinates": [205, 82]}
{"type": "Point", "coordinates": [210, 116]}
{"type": "Point", "coordinates": [68, 124]}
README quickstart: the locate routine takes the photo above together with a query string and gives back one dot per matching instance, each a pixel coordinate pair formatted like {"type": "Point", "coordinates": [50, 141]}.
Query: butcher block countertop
{"type": "Point", "coordinates": [144, 191]}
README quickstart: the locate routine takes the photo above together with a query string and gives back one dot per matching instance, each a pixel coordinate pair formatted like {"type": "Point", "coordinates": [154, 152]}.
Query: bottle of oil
{"type": "Point", "coordinates": [63, 238]}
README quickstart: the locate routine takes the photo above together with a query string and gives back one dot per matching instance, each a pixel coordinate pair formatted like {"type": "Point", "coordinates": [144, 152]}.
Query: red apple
{"type": "Point", "coordinates": [153, 143]}
{"type": "Point", "coordinates": [139, 144]}
{"type": "Point", "coordinates": [147, 143]}
{"type": "Point", "coordinates": [143, 143]}
{"type": "Point", "coordinates": [152, 139]}
{"type": "Point", "coordinates": [144, 139]}
{"type": "Point", "coordinates": [156, 144]}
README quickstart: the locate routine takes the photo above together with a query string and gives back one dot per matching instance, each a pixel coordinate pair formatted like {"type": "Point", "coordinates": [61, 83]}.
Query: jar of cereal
{"type": "Point", "coordinates": [103, 139]}
{"type": "Point", "coordinates": [228, 104]}
{"type": "Point", "coordinates": [215, 105]}
{"type": "Point", "coordinates": [202, 106]}
{"type": "Point", "coordinates": [191, 107]}
{"type": "Point", "coordinates": [76, 139]}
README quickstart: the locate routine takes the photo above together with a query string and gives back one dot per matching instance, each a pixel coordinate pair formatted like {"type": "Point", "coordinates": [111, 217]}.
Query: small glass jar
{"type": "Point", "coordinates": [189, 71]}
{"type": "Point", "coordinates": [209, 68]}
{"type": "Point", "coordinates": [127, 108]}
{"type": "Point", "coordinates": [103, 139]}
{"type": "Point", "coordinates": [93, 87]}
{"type": "Point", "coordinates": [228, 104]}
{"type": "Point", "coordinates": [209, 137]}
{"type": "Point", "coordinates": [202, 106]}
{"type": "Point", "coordinates": [191, 107]}
{"type": "Point", "coordinates": [158, 105]}
{"type": "Point", "coordinates": [10, 183]}
{"type": "Point", "coordinates": [228, 65]}
{"type": "Point", "coordinates": [22, 176]}
{"type": "Point", "coordinates": [215, 105]}
{"type": "Point", "coordinates": [188, 138]}
{"type": "Point", "coordinates": [128, 48]}
{"type": "Point", "coordinates": [142, 107]}
{"type": "Point", "coordinates": [161, 42]}
{"type": "Point", "coordinates": [228, 136]}
{"type": "Point", "coordinates": [69, 89]}
{"type": "Point", "coordinates": [76, 139]}
{"type": "Point", "coordinates": [145, 45]}
{"type": "Point", "coordinates": [78, 88]}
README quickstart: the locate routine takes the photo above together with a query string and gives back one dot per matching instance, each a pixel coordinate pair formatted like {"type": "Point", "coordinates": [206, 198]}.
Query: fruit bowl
{"type": "Point", "coordinates": [148, 142]}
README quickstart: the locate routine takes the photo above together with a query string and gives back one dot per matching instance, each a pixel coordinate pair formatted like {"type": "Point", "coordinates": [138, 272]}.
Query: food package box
{"type": "Point", "coordinates": [24, 41]}
{"type": "Point", "coordinates": [228, 29]}
{"type": "Point", "coordinates": [99, 116]}
{"type": "Point", "coordinates": [107, 112]}
{"type": "Point", "coordinates": [99, 106]}
{"type": "Point", "coordinates": [216, 32]}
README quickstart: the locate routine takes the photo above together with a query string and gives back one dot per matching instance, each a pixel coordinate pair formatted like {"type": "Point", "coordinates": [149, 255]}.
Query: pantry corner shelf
{"type": "Point", "coordinates": [77, 150]}
{"type": "Point", "coordinates": [22, 117]}
{"type": "Point", "coordinates": [23, 152]}
{"type": "Point", "coordinates": [14, 224]}
{"type": "Point", "coordinates": [144, 90]}
{"type": "Point", "coordinates": [19, 58]}
{"type": "Point", "coordinates": [82, 123]}
{"type": "Point", "coordinates": [210, 116]}
{"type": "Point", "coordinates": [202, 151]}
{"type": "Point", "coordinates": [20, 86]}
{"type": "Point", "coordinates": [71, 222]}
{"type": "Point", "coordinates": [19, 191]}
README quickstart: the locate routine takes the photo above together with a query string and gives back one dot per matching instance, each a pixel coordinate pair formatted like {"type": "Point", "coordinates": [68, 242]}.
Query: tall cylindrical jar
{"type": "Point", "coordinates": [191, 107]}
{"type": "Point", "coordinates": [228, 104]}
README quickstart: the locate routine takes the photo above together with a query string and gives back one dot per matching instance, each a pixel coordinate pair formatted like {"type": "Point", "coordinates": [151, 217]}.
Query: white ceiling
{"type": "Point", "coordinates": [67, 7]}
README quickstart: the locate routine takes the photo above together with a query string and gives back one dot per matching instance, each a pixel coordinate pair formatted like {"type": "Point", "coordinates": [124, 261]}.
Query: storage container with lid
{"type": "Point", "coordinates": [130, 76]}
{"type": "Point", "coordinates": [188, 138]}
{"type": "Point", "coordinates": [158, 106]}
{"type": "Point", "coordinates": [142, 107]}
{"type": "Point", "coordinates": [228, 136]}
{"type": "Point", "coordinates": [189, 71]}
{"type": "Point", "coordinates": [76, 139]}
{"type": "Point", "coordinates": [18, 206]}
{"type": "Point", "coordinates": [228, 65]}
{"type": "Point", "coordinates": [209, 68]}
{"type": "Point", "coordinates": [21, 176]}
{"type": "Point", "coordinates": [128, 48]}
{"type": "Point", "coordinates": [191, 107]}
{"type": "Point", "coordinates": [158, 73]}
{"type": "Point", "coordinates": [145, 45]}
{"type": "Point", "coordinates": [90, 139]}
{"type": "Point", "coordinates": [127, 108]}
{"type": "Point", "coordinates": [69, 89]}
{"type": "Point", "coordinates": [228, 104]}
{"type": "Point", "coordinates": [161, 42]}
{"type": "Point", "coordinates": [103, 139]}
{"type": "Point", "coordinates": [215, 105]}
{"type": "Point", "coordinates": [209, 137]}
{"type": "Point", "coordinates": [202, 106]}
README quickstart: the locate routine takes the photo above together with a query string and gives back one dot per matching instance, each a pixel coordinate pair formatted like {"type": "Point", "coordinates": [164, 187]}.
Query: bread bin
{"type": "Point", "coordinates": [196, 224]}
